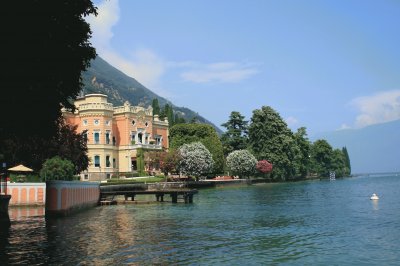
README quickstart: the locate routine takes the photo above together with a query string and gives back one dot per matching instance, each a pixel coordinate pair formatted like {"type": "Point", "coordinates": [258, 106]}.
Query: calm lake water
{"type": "Point", "coordinates": [304, 223]}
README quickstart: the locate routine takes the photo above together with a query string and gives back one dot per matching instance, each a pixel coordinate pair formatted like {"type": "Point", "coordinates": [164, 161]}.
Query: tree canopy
{"type": "Point", "coordinates": [187, 133]}
{"type": "Point", "coordinates": [241, 162]}
{"type": "Point", "coordinates": [235, 137]}
{"type": "Point", "coordinates": [195, 159]}
{"type": "Point", "coordinates": [45, 47]}
{"type": "Point", "coordinates": [272, 140]}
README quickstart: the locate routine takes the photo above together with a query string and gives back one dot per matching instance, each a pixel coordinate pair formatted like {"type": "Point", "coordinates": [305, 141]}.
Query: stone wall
{"type": "Point", "coordinates": [27, 193]}
{"type": "Point", "coordinates": [64, 197]}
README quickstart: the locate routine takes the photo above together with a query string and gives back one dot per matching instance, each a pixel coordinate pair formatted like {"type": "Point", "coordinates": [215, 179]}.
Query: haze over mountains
{"type": "Point", "coordinates": [373, 149]}
{"type": "Point", "coordinates": [103, 78]}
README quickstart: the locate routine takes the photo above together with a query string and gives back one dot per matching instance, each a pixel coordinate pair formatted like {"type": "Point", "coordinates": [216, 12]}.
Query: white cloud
{"type": "Point", "coordinates": [379, 108]}
{"type": "Point", "coordinates": [147, 66]}
{"type": "Point", "coordinates": [291, 121]}
{"type": "Point", "coordinates": [142, 64]}
{"type": "Point", "coordinates": [224, 72]}
{"type": "Point", "coordinates": [101, 25]}
{"type": "Point", "coordinates": [344, 126]}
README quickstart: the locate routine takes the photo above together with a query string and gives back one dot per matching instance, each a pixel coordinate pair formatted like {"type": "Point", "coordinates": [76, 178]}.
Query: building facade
{"type": "Point", "coordinates": [115, 134]}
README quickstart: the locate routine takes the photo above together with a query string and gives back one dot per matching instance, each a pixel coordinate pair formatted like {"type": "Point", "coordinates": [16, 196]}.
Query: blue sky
{"type": "Point", "coordinates": [325, 65]}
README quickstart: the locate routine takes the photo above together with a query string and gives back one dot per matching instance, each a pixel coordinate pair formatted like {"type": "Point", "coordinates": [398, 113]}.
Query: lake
{"type": "Point", "coordinates": [302, 223]}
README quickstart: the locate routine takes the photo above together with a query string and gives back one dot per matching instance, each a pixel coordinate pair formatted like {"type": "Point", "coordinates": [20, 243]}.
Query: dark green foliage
{"type": "Point", "coordinates": [57, 168]}
{"type": "Point", "coordinates": [156, 107]}
{"type": "Point", "coordinates": [325, 159]}
{"type": "Point", "coordinates": [72, 146]}
{"type": "Point", "coordinates": [321, 157]}
{"type": "Point", "coordinates": [168, 113]}
{"type": "Point", "coordinates": [272, 140]}
{"type": "Point", "coordinates": [140, 161]}
{"type": "Point", "coordinates": [347, 160]}
{"type": "Point", "coordinates": [235, 137]}
{"type": "Point", "coordinates": [187, 133]}
{"type": "Point", "coordinates": [45, 47]}
{"type": "Point", "coordinates": [302, 157]}
{"type": "Point", "coordinates": [34, 151]}
{"type": "Point", "coordinates": [179, 119]}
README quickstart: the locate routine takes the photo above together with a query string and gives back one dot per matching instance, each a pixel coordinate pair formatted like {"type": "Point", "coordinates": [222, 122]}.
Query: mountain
{"type": "Point", "coordinates": [103, 78]}
{"type": "Point", "coordinates": [373, 149]}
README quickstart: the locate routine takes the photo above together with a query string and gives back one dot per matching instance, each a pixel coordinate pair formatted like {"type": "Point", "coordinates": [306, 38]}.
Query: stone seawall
{"type": "Point", "coordinates": [27, 193]}
{"type": "Point", "coordinates": [64, 197]}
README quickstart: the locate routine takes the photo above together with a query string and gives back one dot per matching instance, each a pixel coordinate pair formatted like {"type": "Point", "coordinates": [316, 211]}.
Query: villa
{"type": "Point", "coordinates": [115, 134]}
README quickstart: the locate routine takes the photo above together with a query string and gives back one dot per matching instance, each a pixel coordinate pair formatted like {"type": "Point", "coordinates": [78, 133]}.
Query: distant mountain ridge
{"type": "Point", "coordinates": [372, 149]}
{"type": "Point", "coordinates": [103, 78]}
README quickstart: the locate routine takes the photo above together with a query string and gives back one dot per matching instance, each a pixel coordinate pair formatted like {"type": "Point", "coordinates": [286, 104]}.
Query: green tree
{"type": "Point", "coordinates": [302, 157]}
{"type": "Point", "coordinates": [45, 54]}
{"type": "Point", "coordinates": [187, 133]}
{"type": "Point", "coordinates": [338, 163]}
{"type": "Point", "coordinates": [347, 160]}
{"type": "Point", "coordinates": [179, 120]}
{"type": "Point", "coordinates": [271, 139]}
{"type": "Point", "coordinates": [67, 144]}
{"type": "Point", "coordinates": [195, 159]}
{"type": "Point", "coordinates": [156, 107]}
{"type": "Point", "coordinates": [321, 157]}
{"type": "Point", "coordinates": [235, 137]}
{"type": "Point", "coordinates": [170, 162]}
{"type": "Point", "coordinates": [72, 146]}
{"type": "Point", "coordinates": [168, 113]}
{"type": "Point", "coordinates": [140, 161]}
{"type": "Point", "coordinates": [241, 163]}
{"type": "Point", "coordinates": [57, 168]}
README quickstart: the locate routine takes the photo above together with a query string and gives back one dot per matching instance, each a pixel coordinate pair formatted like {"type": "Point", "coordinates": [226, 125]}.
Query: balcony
{"type": "Point", "coordinates": [145, 146]}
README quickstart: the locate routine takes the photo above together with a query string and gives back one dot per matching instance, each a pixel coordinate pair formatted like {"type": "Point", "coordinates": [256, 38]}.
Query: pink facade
{"type": "Point", "coordinates": [115, 133]}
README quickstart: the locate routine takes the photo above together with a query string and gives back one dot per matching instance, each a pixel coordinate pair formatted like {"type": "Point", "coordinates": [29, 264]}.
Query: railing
{"type": "Point", "coordinates": [97, 106]}
{"type": "Point", "coordinates": [146, 146]}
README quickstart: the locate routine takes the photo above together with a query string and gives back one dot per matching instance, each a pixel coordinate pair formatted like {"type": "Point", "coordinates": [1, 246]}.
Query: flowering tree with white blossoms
{"type": "Point", "coordinates": [241, 162]}
{"type": "Point", "coordinates": [196, 159]}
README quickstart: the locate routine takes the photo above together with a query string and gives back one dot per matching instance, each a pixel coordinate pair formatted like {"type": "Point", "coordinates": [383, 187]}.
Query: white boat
{"type": "Point", "coordinates": [374, 197]}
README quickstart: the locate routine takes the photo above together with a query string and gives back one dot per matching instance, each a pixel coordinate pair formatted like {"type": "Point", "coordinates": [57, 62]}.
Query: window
{"type": "Point", "coordinates": [133, 135]}
{"type": "Point", "coordinates": [140, 138]}
{"type": "Point", "coordinates": [133, 122]}
{"type": "Point", "coordinates": [85, 135]}
{"type": "Point", "coordinates": [108, 163]}
{"type": "Point", "coordinates": [114, 141]}
{"type": "Point", "coordinates": [108, 176]}
{"type": "Point", "coordinates": [85, 122]}
{"type": "Point", "coordinates": [108, 137]}
{"type": "Point", "coordinates": [158, 140]}
{"type": "Point", "coordinates": [114, 163]}
{"type": "Point", "coordinates": [108, 122]}
{"type": "Point", "coordinates": [97, 161]}
{"type": "Point", "coordinates": [96, 137]}
{"type": "Point", "coordinates": [146, 124]}
{"type": "Point", "coordinates": [96, 121]}
{"type": "Point", "coordinates": [86, 176]}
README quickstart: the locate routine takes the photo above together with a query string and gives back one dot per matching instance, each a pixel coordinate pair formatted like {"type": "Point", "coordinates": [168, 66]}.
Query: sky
{"type": "Point", "coordinates": [324, 65]}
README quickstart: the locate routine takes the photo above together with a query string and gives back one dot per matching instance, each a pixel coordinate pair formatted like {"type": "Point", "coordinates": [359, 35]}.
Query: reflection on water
{"type": "Point", "coordinates": [375, 205]}
{"type": "Point", "coordinates": [299, 223]}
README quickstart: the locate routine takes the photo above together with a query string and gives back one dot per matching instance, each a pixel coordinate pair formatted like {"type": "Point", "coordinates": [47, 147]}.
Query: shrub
{"type": "Point", "coordinates": [264, 166]}
{"type": "Point", "coordinates": [241, 162]}
{"type": "Point", "coordinates": [195, 159]}
{"type": "Point", "coordinates": [57, 168]}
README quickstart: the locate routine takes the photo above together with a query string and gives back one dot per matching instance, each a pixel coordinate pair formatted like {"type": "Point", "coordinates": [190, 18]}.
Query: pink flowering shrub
{"type": "Point", "coordinates": [264, 166]}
